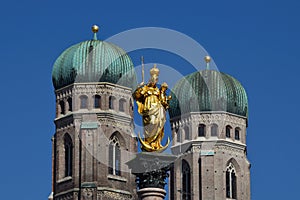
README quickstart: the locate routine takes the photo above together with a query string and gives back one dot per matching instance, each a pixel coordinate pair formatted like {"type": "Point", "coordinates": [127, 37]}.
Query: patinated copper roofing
{"type": "Point", "coordinates": [208, 90]}
{"type": "Point", "coordinates": [93, 61]}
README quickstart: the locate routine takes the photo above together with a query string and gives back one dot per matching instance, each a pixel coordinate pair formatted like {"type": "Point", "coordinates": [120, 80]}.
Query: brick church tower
{"type": "Point", "coordinates": [208, 117]}
{"type": "Point", "coordinates": [93, 138]}
{"type": "Point", "coordinates": [94, 129]}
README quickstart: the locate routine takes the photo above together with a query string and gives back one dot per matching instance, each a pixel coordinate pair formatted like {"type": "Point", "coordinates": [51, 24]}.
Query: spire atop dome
{"type": "Point", "coordinates": [95, 30]}
{"type": "Point", "coordinates": [207, 60]}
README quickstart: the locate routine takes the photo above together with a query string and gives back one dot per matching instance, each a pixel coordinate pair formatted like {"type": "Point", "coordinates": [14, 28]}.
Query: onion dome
{"type": "Point", "coordinates": [208, 90]}
{"type": "Point", "coordinates": [93, 61]}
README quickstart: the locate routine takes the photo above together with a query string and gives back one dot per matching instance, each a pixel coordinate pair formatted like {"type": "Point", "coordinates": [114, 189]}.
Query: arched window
{"type": "Point", "coordinates": [131, 105]}
{"type": "Point", "coordinates": [230, 182]}
{"type": "Point", "coordinates": [186, 133]}
{"type": "Point", "coordinates": [62, 107]}
{"type": "Point", "coordinates": [111, 102]}
{"type": "Point", "coordinates": [214, 130]}
{"type": "Point", "coordinates": [201, 130]}
{"type": "Point", "coordinates": [228, 131]}
{"type": "Point", "coordinates": [68, 155]}
{"type": "Point", "coordinates": [178, 135]}
{"type": "Point", "coordinates": [122, 103]}
{"type": "Point", "coordinates": [97, 101]}
{"type": "Point", "coordinates": [83, 102]}
{"type": "Point", "coordinates": [114, 156]}
{"type": "Point", "coordinates": [186, 181]}
{"type": "Point", "coordinates": [70, 104]}
{"type": "Point", "coordinates": [237, 134]}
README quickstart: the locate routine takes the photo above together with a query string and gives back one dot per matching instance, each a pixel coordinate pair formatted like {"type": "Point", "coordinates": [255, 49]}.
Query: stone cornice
{"type": "Point", "coordinates": [197, 145]}
{"type": "Point", "coordinates": [102, 88]}
{"type": "Point", "coordinates": [64, 122]}
{"type": "Point", "coordinates": [67, 192]}
{"type": "Point", "coordinates": [208, 118]}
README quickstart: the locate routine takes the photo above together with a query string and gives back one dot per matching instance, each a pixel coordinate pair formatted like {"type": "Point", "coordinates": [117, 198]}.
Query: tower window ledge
{"type": "Point", "coordinates": [116, 178]}
{"type": "Point", "coordinates": [68, 178]}
{"type": "Point", "coordinates": [83, 109]}
{"type": "Point", "coordinates": [238, 141]}
{"type": "Point", "coordinates": [123, 113]}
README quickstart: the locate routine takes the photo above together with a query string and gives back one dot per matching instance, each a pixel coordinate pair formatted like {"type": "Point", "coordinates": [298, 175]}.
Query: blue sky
{"type": "Point", "coordinates": [256, 42]}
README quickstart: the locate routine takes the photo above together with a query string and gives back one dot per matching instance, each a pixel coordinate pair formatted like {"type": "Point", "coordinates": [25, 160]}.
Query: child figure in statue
{"type": "Point", "coordinates": [164, 99]}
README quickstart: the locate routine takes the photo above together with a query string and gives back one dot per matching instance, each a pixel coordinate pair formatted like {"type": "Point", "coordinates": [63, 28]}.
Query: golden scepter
{"type": "Point", "coordinates": [143, 70]}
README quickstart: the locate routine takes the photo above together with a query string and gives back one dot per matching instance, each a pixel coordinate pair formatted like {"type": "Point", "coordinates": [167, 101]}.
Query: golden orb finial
{"type": "Point", "coordinates": [95, 28]}
{"type": "Point", "coordinates": [207, 59]}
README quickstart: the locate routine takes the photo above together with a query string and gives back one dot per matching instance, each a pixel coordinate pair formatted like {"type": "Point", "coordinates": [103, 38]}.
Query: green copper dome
{"type": "Point", "coordinates": [93, 61]}
{"type": "Point", "coordinates": [208, 90]}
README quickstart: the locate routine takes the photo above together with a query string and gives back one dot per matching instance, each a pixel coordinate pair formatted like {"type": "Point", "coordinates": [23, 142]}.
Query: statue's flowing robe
{"type": "Point", "coordinates": [154, 114]}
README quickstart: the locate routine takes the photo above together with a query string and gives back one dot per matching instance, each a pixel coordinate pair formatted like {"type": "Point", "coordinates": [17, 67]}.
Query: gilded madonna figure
{"type": "Point", "coordinates": [152, 105]}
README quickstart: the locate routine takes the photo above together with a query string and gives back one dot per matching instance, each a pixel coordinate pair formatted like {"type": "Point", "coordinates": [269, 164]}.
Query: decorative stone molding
{"type": "Point", "coordinates": [64, 92]}
{"type": "Point", "coordinates": [109, 193]}
{"type": "Point", "coordinates": [67, 195]}
{"type": "Point", "coordinates": [211, 117]}
{"type": "Point", "coordinates": [196, 149]}
{"type": "Point", "coordinates": [64, 122]}
{"type": "Point", "coordinates": [116, 120]}
{"type": "Point", "coordinates": [102, 88]}
{"type": "Point", "coordinates": [230, 148]}
{"type": "Point", "coordinates": [87, 193]}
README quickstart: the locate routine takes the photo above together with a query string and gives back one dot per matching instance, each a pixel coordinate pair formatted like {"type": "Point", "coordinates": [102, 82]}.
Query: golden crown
{"type": "Point", "coordinates": [154, 70]}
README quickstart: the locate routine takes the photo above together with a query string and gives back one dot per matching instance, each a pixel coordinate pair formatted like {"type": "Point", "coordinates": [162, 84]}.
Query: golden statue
{"type": "Point", "coordinates": [152, 105]}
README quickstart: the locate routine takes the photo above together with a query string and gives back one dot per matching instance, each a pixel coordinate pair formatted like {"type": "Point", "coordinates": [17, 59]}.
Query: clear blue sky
{"type": "Point", "coordinates": [257, 42]}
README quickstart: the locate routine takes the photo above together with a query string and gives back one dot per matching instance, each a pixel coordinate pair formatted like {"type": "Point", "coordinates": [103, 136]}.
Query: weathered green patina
{"type": "Point", "coordinates": [208, 90]}
{"type": "Point", "coordinates": [89, 125]}
{"type": "Point", "coordinates": [93, 61]}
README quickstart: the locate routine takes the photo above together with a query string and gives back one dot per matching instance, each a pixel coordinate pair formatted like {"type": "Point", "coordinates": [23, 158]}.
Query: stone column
{"type": "Point", "coordinates": [152, 194]}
